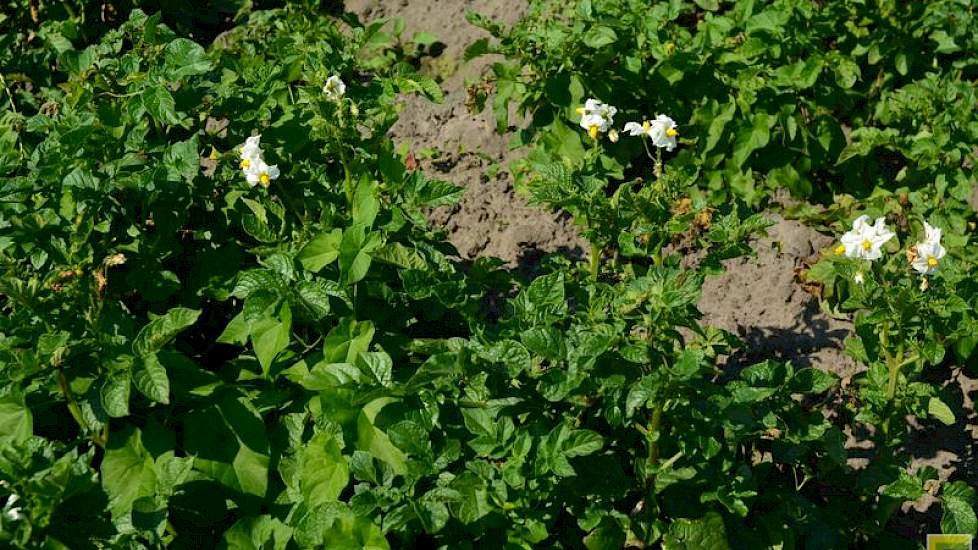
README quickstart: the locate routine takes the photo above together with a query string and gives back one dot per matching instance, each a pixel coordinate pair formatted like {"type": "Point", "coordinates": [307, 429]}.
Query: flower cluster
{"type": "Point", "coordinates": [865, 241]}
{"type": "Point", "coordinates": [253, 164]}
{"type": "Point", "coordinates": [598, 117]}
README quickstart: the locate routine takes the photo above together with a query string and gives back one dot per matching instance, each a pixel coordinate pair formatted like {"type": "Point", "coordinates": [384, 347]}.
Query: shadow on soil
{"type": "Point", "coordinates": [795, 344]}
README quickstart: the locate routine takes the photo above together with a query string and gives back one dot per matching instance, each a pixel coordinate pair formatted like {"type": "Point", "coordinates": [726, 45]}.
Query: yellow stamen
{"type": "Point", "coordinates": [671, 132]}
{"type": "Point", "coordinates": [264, 179]}
{"type": "Point", "coordinates": [867, 244]}
{"type": "Point", "coordinates": [646, 125]}
{"type": "Point", "coordinates": [580, 110]}
{"type": "Point", "coordinates": [931, 262]}
{"type": "Point", "coordinates": [214, 154]}
{"type": "Point", "coordinates": [245, 163]}
{"type": "Point", "coordinates": [841, 249]}
{"type": "Point", "coordinates": [593, 131]}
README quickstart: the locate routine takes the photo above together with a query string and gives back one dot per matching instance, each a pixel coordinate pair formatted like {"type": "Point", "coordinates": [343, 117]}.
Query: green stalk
{"type": "Point", "coordinates": [595, 260]}
{"type": "Point", "coordinates": [891, 386]}
{"type": "Point", "coordinates": [654, 424]}
{"type": "Point", "coordinates": [347, 183]}
{"type": "Point", "coordinates": [893, 365]}
{"type": "Point", "coordinates": [73, 407]}
{"type": "Point", "coordinates": [75, 410]}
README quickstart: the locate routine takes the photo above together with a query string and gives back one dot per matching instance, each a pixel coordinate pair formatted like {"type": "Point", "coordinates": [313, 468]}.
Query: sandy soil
{"type": "Point", "coordinates": [491, 219]}
{"type": "Point", "coordinates": [758, 298]}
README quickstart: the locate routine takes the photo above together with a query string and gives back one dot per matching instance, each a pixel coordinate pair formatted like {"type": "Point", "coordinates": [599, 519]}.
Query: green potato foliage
{"type": "Point", "coordinates": [815, 97]}
{"type": "Point", "coordinates": [226, 323]}
{"type": "Point", "coordinates": [914, 318]}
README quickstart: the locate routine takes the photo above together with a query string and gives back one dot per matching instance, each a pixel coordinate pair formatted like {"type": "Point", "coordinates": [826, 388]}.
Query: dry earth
{"type": "Point", "coordinates": [757, 298]}
{"type": "Point", "coordinates": [491, 219]}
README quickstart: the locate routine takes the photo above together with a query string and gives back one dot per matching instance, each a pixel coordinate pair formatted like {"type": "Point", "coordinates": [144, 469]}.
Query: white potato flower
{"type": "Point", "coordinates": [261, 173]}
{"type": "Point", "coordinates": [596, 117]}
{"type": "Point", "coordinates": [859, 278]}
{"type": "Point", "coordinates": [250, 151]}
{"type": "Point", "coordinates": [334, 88]}
{"type": "Point", "coordinates": [662, 131]}
{"type": "Point", "coordinates": [865, 241]}
{"type": "Point", "coordinates": [929, 252]}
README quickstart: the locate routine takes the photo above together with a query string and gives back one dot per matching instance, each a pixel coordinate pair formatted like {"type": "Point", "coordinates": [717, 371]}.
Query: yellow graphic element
{"type": "Point", "coordinates": [949, 542]}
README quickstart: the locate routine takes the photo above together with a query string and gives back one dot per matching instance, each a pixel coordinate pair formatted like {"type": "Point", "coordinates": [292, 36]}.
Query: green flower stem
{"type": "Point", "coordinates": [75, 410]}
{"type": "Point", "coordinates": [347, 183]}
{"type": "Point", "coordinates": [891, 385]}
{"type": "Point", "coordinates": [595, 260]}
{"type": "Point", "coordinates": [654, 424]}
{"type": "Point", "coordinates": [10, 96]}
{"type": "Point", "coordinates": [893, 365]}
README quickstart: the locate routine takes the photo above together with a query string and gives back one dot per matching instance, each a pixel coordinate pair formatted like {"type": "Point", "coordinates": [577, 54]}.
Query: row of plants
{"type": "Point", "coordinates": [818, 98]}
{"type": "Point", "coordinates": [227, 323]}
{"type": "Point", "coordinates": [864, 107]}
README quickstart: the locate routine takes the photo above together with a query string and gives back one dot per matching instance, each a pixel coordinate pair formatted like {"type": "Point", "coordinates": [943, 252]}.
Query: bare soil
{"type": "Point", "coordinates": [463, 147]}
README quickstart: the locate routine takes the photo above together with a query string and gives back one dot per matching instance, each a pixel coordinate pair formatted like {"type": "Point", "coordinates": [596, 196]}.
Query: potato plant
{"type": "Point", "coordinates": [814, 97]}
{"type": "Point", "coordinates": [227, 322]}
{"type": "Point", "coordinates": [649, 122]}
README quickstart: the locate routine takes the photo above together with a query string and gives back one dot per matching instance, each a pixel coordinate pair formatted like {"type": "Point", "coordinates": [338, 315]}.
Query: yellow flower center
{"type": "Point", "coordinates": [245, 163]}
{"type": "Point", "coordinates": [841, 249]}
{"type": "Point", "coordinates": [264, 179]}
{"type": "Point", "coordinates": [671, 132]}
{"type": "Point", "coordinates": [867, 244]}
{"type": "Point", "coordinates": [593, 131]}
{"type": "Point", "coordinates": [580, 110]}
{"type": "Point", "coordinates": [646, 125]}
{"type": "Point", "coordinates": [931, 262]}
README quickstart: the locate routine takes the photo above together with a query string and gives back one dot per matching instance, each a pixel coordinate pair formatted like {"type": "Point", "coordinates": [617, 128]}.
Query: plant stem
{"type": "Point", "coordinates": [10, 96]}
{"type": "Point", "coordinates": [654, 424]}
{"type": "Point", "coordinates": [894, 364]}
{"type": "Point", "coordinates": [595, 260]}
{"type": "Point", "coordinates": [75, 410]}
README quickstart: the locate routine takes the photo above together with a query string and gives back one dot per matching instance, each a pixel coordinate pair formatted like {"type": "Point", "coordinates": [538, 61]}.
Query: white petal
{"type": "Point", "coordinates": [860, 223]}
{"type": "Point", "coordinates": [931, 233]}
{"type": "Point", "coordinates": [634, 129]}
{"type": "Point", "coordinates": [920, 265]}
